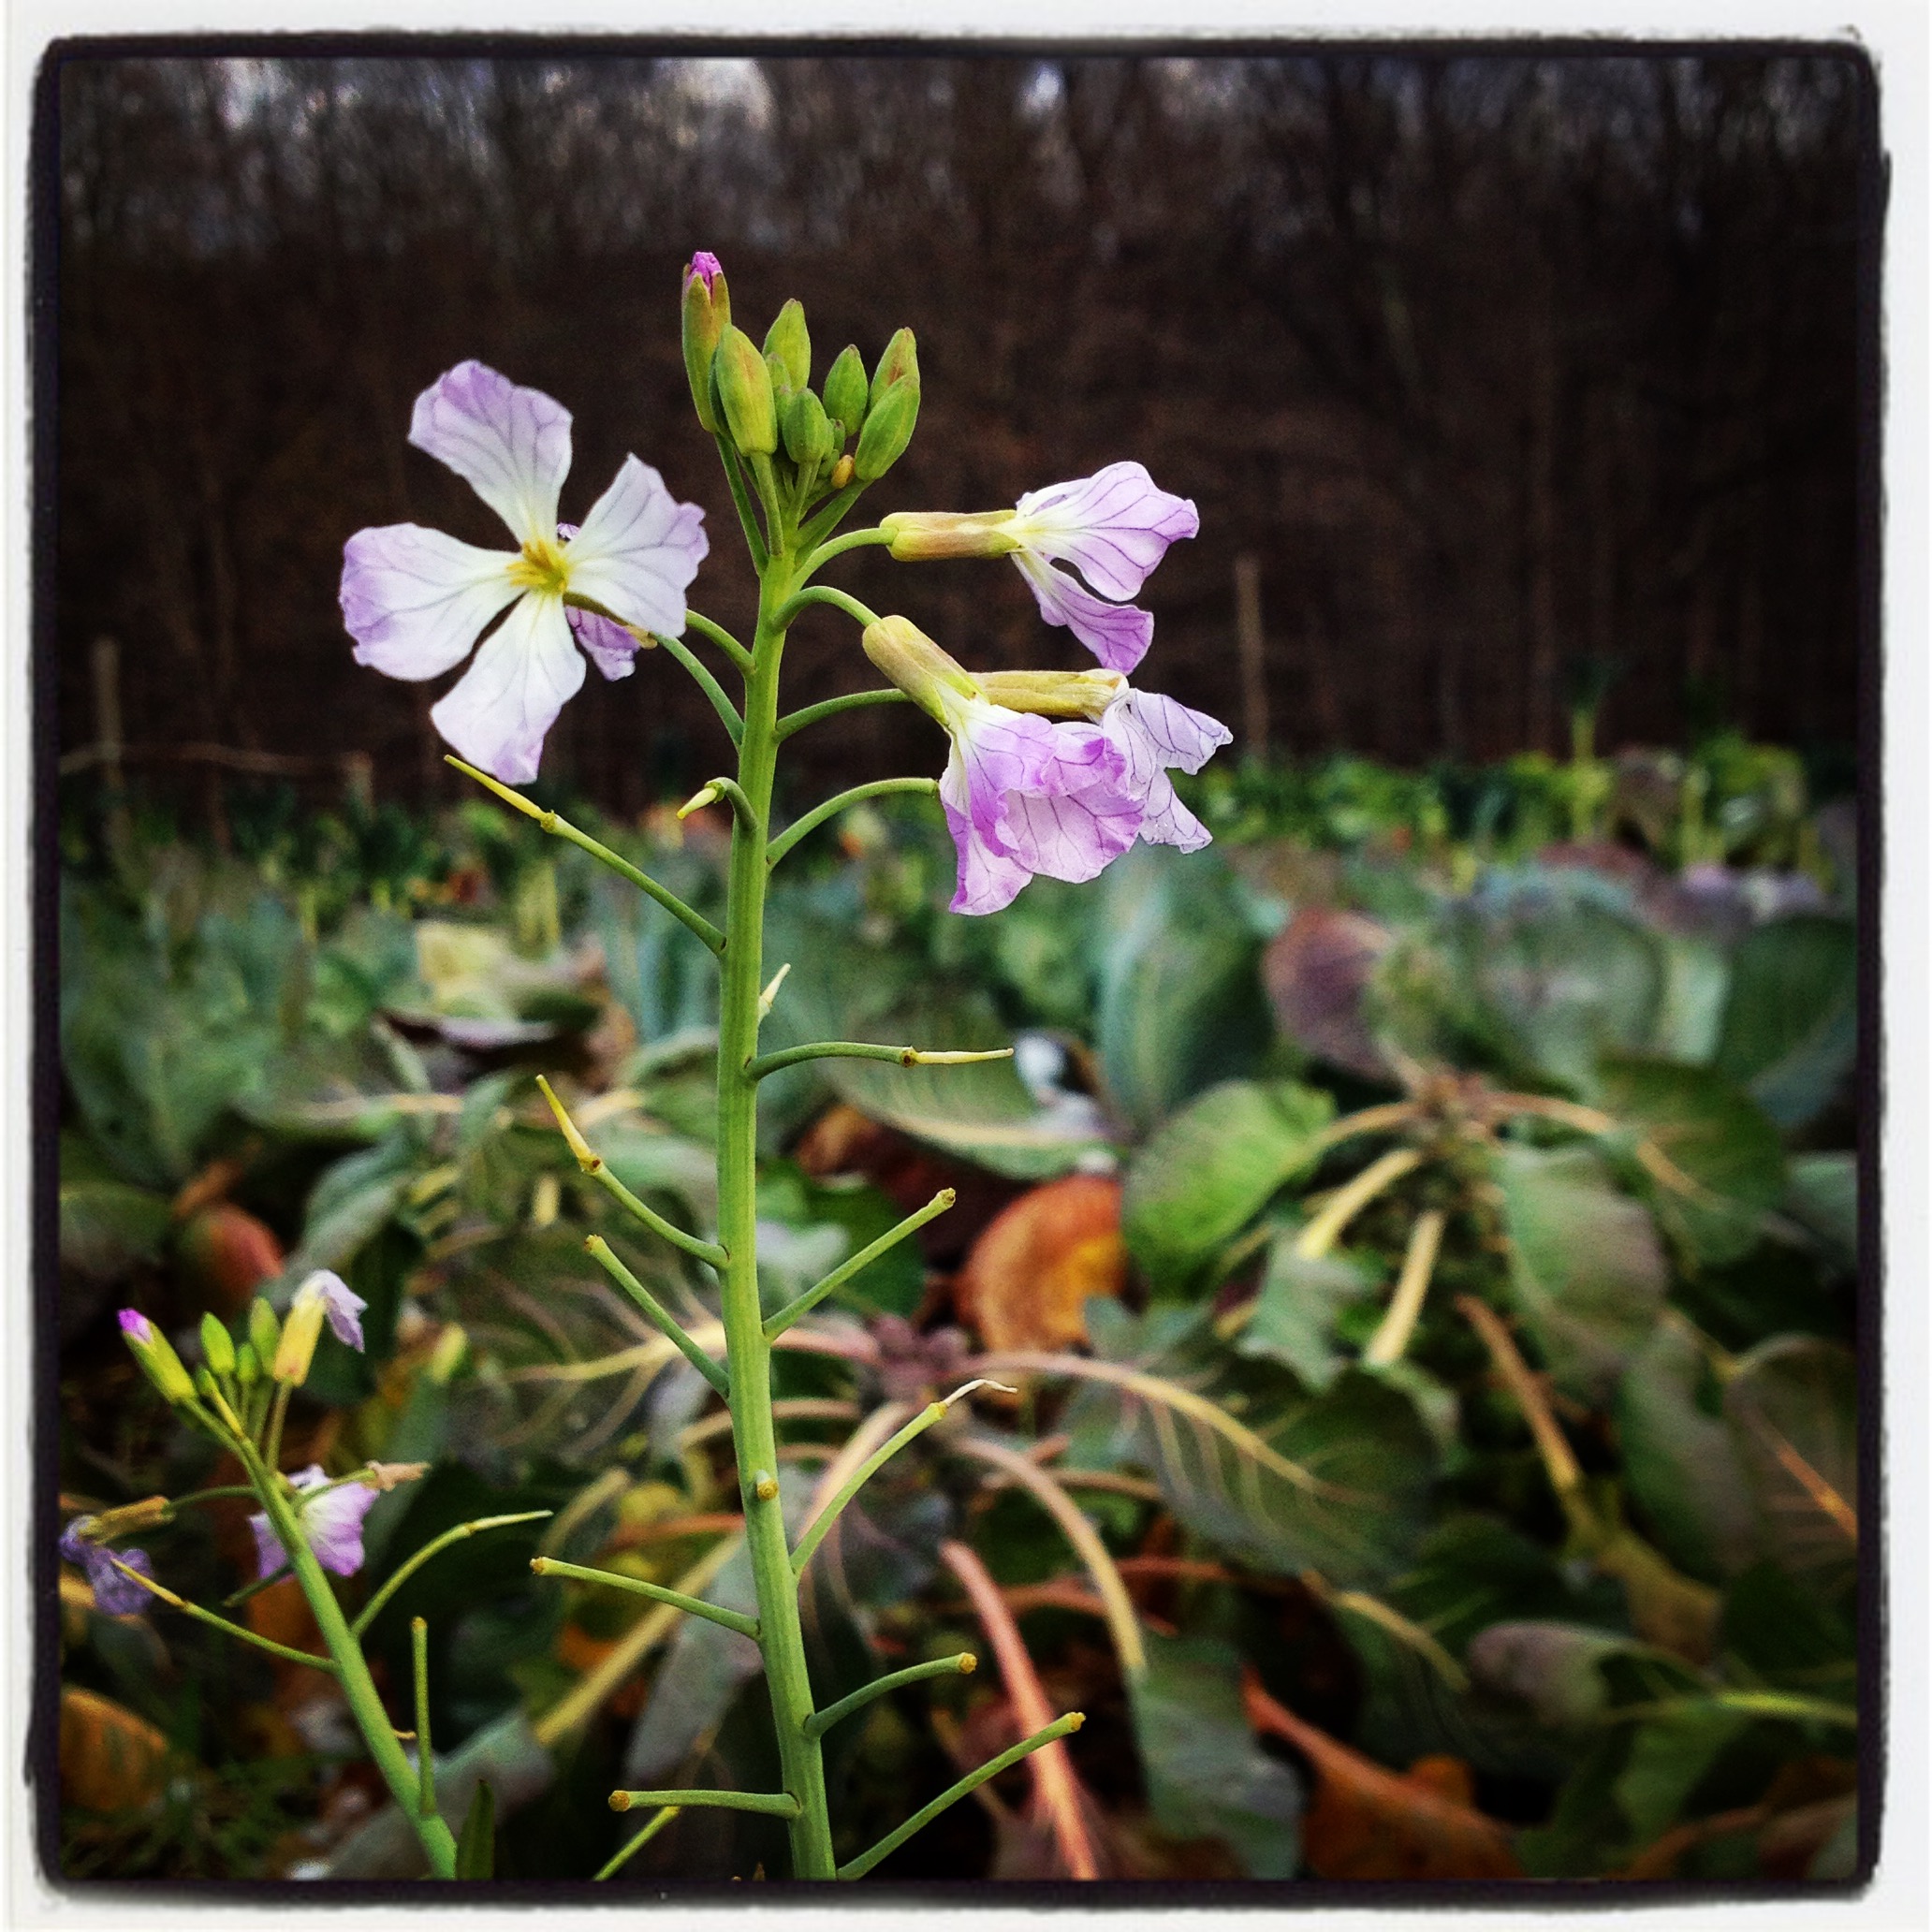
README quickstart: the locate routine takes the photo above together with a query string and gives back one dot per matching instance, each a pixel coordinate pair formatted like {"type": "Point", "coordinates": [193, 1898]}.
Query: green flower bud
{"type": "Point", "coordinates": [707, 316]}
{"type": "Point", "coordinates": [300, 1334]}
{"type": "Point", "coordinates": [1054, 693]}
{"type": "Point", "coordinates": [264, 1330]}
{"type": "Point", "coordinates": [889, 428]}
{"type": "Point", "coordinates": [155, 1353]}
{"type": "Point", "coordinates": [845, 391]}
{"type": "Point", "coordinates": [808, 431]}
{"type": "Point", "coordinates": [781, 383]}
{"type": "Point", "coordinates": [217, 1345]}
{"type": "Point", "coordinates": [919, 536]}
{"type": "Point", "coordinates": [916, 665]}
{"type": "Point", "coordinates": [248, 1367]}
{"type": "Point", "coordinates": [790, 341]}
{"type": "Point", "coordinates": [898, 364]}
{"type": "Point", "coordinates": [744, 388]}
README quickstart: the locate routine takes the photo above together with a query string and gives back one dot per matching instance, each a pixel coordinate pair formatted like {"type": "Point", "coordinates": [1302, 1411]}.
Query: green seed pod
{"type": "Point", "coordinates": [898, 364]}
{"type": "Point", "coordinates": [264, 1330]}
{"type": "Point", "coordinates": [808, 433]}
{"type": "Point", "coordinates": [845, 391]}
{"type": "Point", "coordinates": [217, 1345]}
{"type": "Point", "coordinates": [888, 429]}
{"type": "Point", "coordinates": [790, 341]}
{"type": "Point", "coordinates": [707, 316]}
{"type": "Point", "coordinates": [744, 388]}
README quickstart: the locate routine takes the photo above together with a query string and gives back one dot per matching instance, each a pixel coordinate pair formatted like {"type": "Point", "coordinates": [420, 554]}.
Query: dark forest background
{"type": "Point", "coordinates": [1495, 371]}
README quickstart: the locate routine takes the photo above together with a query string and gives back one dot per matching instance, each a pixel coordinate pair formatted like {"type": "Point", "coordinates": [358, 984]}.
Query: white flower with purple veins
{"type": "Point", "coordinates": [115, 1594]}
{"type": "Point", "coordinates": [341, 1305]}
{"type": "Point", "coordinates": [1026, 796]}
{"type": "Point", "coordinates": [1113, 528]}
{"type": "Point", "coordinates": [1154, 735]}
{"type": "Point", "coordinates": [416, 600]}
{"type": "Point", "coordinates": [332, 1522]}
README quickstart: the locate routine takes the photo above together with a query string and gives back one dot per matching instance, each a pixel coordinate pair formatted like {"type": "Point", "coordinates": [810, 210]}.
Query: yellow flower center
{"type": "Point", "coordinates": [541, 566]}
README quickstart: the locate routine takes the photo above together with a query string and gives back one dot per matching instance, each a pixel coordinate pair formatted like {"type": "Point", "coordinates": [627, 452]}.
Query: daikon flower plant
{"type": "Point", "coordinates": [1047, 772]}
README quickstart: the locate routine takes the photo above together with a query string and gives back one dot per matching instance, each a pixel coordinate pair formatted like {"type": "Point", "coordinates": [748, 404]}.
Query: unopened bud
{"type": "Point", "coordinates": [920, 535]}
{"type": "Point", "coordinates": [783, 385]}
{"type": "Point", "coordinates": [248, 1367]}
{"type": "Point", "coordinates": [1054, 693]}
{"type": "Point", "coordinates": [842, 473]}
{"type": "Point", "coordinates": [808, 433]}
{"type": "Point", "coordinates": [744, 388]}
{"type": "Point", "coordinates": [790, 341]}
{"type": "Point", "coordinates": [264, 1330]}
{"type": "Point", "coordinates": [217, 1345]}
{"type": "Point", "coordinates": [707, 316]}
{"type": "Point", "coordinates": [845, 391]}
{"type": "Point", "coordinates": [446, 1357]}
{"type": "Point", "coordinates": [300, 1332]}
{"type": "Point", "coordinates": [130, 1519]}
{"type": "Point", "coordinates": [889, 428]}
{"type": "Point", "coordinates": [155, 1353]}
{"type": "Point", "coordinates": [916, 665]}
{"type": "Point", "coordinates": [898, 364]}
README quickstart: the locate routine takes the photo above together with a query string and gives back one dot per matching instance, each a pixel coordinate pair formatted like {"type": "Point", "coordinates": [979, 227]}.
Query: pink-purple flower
{"type": "Point", "coordinates": [341, 1305]}
{"type": "Point", "coordinates": [115, 1594]}
{"type": "Point", "coordinates": [416, 600]}
{"type": "Point", "coordinates": [332, 1522]}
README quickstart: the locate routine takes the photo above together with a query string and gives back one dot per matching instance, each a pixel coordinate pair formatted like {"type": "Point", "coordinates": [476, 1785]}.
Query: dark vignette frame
{"type": "Point", "coordinates": [43, 282]}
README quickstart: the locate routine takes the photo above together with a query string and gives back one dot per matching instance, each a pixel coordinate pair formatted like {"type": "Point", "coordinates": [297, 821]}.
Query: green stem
{"type": "Point", "coordinates": [831, 707]}
{"type": "Point", "coordinates": [701, 675]}
{"type": "Point", "coordinates": [772, 1804]}
{"type": "Point", "coordinates": [658, 1315]}
{"type": "Point", "coordinates": [754, 1432]}
{"type": "Point", "coordinates": [728, 789]}
{"type": "Point", "coordinates": [844, 802]}
{"type": "Point", "coordinates": [794, 1311]}
{"type": "Point", "coordinates": [822, 1722]}
{"type": "Point", "coordinates": [768, 1063]}
{"type": "Point", "coordinates": [852, 540]}
{"type": "Point", "coordinates": [278, 1415]}
{"type": "Point", "coordinates": [829, 516]}
{"type": "Point", "coordinates": [562, 829]}
{"type": "Point", "coordinates": [741, 499]}
{"type": "Point", "coordinates": [425, 1757]}
{"type": "Point", "coordinates": [824, 594]}
{"type": "Point", "coordinates": [705, 627]}
{"type": "Point", "coordinates": [404, 1572]}
{"type": "Point", "coordinates": [222, 1623]}
{"type": "Point", "coordinates": [636, 1843]}
{"type": "Point", "coordinates": [182, 1502]}
{"type": "Point", "coordinates": [692, 1606]}
{"type": "Point", "coordinates": [359, 1687]}
{"type": "Point", "coordinates": [1061, 1727]}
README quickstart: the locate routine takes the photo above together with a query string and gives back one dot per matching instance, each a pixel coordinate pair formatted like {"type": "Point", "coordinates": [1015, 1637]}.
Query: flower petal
{"type": "Point", "coordinates": [510, 445]}
{"type": "Point", "coordinates": [1075, 836]}
{"type": "Point", "coordinates": [333, 1525]}
{"type": "Point", "coordinates": [638, 549]}
{"type": "Point", "coordinates": [416, 600]}
{"type": "Point", "coordinates": [1116, 634]}
{"type": "Point", "coordinates": [607, 645]}
{"type": "Point", "coordinates": [1114, 526]}
{"type": "Point", "coordinates": [340, 1303]}
{"type": "Point", "coordinates": [114, 1593]}
{"type": "Point", "coordinates": [499, 710]}
{"type": "Point", "coordinates": [1154, 734]}
{"type": "Point", "coordinates": [988, 880]}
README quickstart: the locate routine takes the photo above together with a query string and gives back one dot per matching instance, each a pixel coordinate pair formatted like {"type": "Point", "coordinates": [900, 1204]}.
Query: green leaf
{"type": "Point", "coordinates": [1790, 1024]}
{"type": "Point", "coordinates": [1207, 1776]}
{"type": "Point", "coordinates": [1680, 1461]}
{"type": "Point", "coordinates": [1714, 1133]}
{"type": "Point", "coordinates": [1585, 1268]}
{"type": "Point", "coordinates": [1776, 1630]}
{"type": "Point", "coordinates": [1293, 1318]}
{"type": "Point", "coordinates": [1182, 1005]}
{"type": "Point", "coordinates": [1821, 1194]}
{"type": "Point", "coordinates": [1213, 1168]}
{"type": "Point", "coordinates": [476, 1849]}
{"type": "Point", "coordinates": [351, 1202]}
{"type": "Point", "coordinates": [1668, 1757]}
{"type": "Point", "coordinates": [108, 1227]}
{"type": "Point", "coordinates": [1792, 1408]}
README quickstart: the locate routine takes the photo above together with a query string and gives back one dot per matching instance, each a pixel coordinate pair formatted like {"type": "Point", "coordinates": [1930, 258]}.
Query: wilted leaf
{"type": "Point", "coordinates": [109, 1759]}
{"type": "Point", "coordinates": [1792, 1407]}
{"type": "Point", "coordinates": [1714, 1134]}
{"type": "Point", "coordinates": [1206, 1775]}
{"type": "Point", "coordinates": [1213, 1168]}
{"type": "Point", "coordinates": [1790, 1024]}
{"type": "Point", "coordinates": [1585, 1268]}
{"type": "Point", "coordinates": [1028, 1276]}
{"type": "Point", "coordinates": [1679, 1461]}
{"type": "Point", "coordinates": [1367, 1823]}
{"type": "Point", "coordinates": [1317, 970]}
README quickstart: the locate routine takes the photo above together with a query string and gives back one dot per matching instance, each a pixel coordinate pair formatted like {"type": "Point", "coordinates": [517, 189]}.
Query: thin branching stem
{"type": "Point", "coordinates": [832, 706]}
{"type": "Point", "coordinates": [852, 1264]}
{"type": "Point", "coordinates": [678, 1599]}
{"type": "Point", "coordinates": [405, 1570]}
{"type": "Point", "coordinates": [707, 627]}
{"type": "Point", "coordinates": [768, 1063]}
{"type": "Point", "coordinates": [861, 614]}
{"type": "Point", "coordinates": [659, 1316]}
{"type": "Point", "coordinates": [844, 802]}
{"type": "Point", "coordinates": [819, 1722]}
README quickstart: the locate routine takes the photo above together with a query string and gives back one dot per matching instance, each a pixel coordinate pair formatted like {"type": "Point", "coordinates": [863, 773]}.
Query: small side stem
{"type": "Point", "coordinates": [861, 614]}
{"type": "Point", "coordinates": [658, 1315]}
{"type": "Point", "coordinates": [819, 1722]}
{"type": "Point", "coordinates": [701, 676]}
{"type": "Point", "coordinates": [1391, 1338]}
{"type": "Point", "coordinates": [425, 1757]}
{"type": "Point", "coordinates": [705, 627]}
{"type": "Point", "coordinates": [831, 707]}
{"type": "Point", "coordinates": [636, 1843]}
{"type": "Point", "coordinates": [742, 500]}
{"type": "Point", "coordinates": [221, 1623]}
{"type": "Point", "coordinates": [772, 1804]}
{"type": "Point", "coordinates": [844, 802]}
{"type": "Point", "coordinates": [691, 1606]}
{"type": "Point", "coordinates": [1348, 1201]}
{"type": "Point", "coordinates": [404, 1572]}
{"type": "Point", "coordinates": [852, 1264]}
{"type": "Point", "coordinates": [768, 1063]}
{"type": "Point", "coordinates": [837, 545]}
